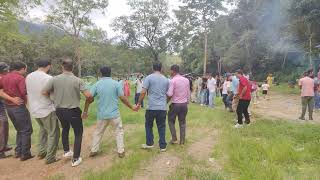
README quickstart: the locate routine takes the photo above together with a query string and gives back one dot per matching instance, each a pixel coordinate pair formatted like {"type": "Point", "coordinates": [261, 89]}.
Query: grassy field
{"type": "Point", "coordinates": [285, 89]}
{"type": "Point", "coordinates": [265, 150]}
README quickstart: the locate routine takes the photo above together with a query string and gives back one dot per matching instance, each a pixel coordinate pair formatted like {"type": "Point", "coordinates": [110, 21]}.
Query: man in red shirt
{"type": "Point", "coordinates": [14, 85]}
{"type": "Point", "coordinates": [245, 98]}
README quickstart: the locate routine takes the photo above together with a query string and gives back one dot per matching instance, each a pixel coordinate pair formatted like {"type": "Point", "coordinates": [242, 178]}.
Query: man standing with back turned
{"type": "Point", "coordinates": [307, 95]}
{"type": "Point", "coordinates": [179, 93]}
{"type": "Point", "coordinates": [13, 84]}
{"type": "Point", "coordinates": [42, 109]}
{"type": "Point", "coordinates": [157, 86]}
{"type": "Point", "coordinates": [66, 88]}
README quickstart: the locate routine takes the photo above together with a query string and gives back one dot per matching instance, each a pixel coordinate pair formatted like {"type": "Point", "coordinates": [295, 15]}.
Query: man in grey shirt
{"type": "Point", "coordinates": [157, 86]}
{"type": "Point", "coordinates": [66, 89]}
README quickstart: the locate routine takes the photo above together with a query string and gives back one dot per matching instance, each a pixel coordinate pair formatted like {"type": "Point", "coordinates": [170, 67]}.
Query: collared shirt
{"type": "Point", "coordinates": [212, 84]}
{"type": "Point", "coordinates": [234, 85]}
{"type": "Point", "coordinates": [226, 87]}
{"type": "Point", "coordinates": [179, 89]}
{"type": "Point", "coordinates": [139, 84]}
{"type": "Point", "coordinates": [307, 87]}
{"type": "Point", "coordinates": [66, 89]}
{"type": "Point", "coordinates": [108, 92]}
{"type": "Point", "coordinates": [14, 85]}
{"type": "Point", "coordinates": [40, 106]}
{"type": "Point", "coordinates": [157, 86]}
{"type": "Point", "coordinates": [244, 82]}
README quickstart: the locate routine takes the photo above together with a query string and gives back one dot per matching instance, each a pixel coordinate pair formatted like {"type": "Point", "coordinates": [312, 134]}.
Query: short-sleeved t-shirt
{"type": "Point", "coordinates": [265, 87]}
{"type": "Point", "coordinates": [244, 82]}
{"type": "Point", "coordinates": [157, 86]}
{"type": "Point", "coordinates": [66, 89]}
{"type": "Point", "coordinates": [40, 106]}
{"type": "Point", "coordinates": [307, 87]}
{"type": "Point", "coordinates": [108, 92]}
{"type": "Point", "coordinates": [212, 85]}
{"type": "Point", "coordinates": [139, 85]}
{"type": "Point", "coordinates": [234, 84]}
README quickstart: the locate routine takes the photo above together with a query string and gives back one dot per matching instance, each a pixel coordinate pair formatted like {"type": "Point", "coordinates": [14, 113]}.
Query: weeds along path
{"type": "Point", "coordinates": [12, 169]}
{"type": "Point", "coordinates": [281, 106]}
{"type": "Point", "coordinates": [199, 147]}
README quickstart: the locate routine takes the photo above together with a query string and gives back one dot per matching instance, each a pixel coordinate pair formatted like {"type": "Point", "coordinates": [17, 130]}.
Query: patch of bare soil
{"type": "Point", "coordinates": [281, 106]}
{"type": "Point", "coordinates": [158, 168]}
{"type": "Point", "coordinates": [13, 169]}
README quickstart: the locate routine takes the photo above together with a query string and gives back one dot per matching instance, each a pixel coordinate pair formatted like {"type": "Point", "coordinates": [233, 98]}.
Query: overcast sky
{"type": "Point", "coordinates": [115, 9]}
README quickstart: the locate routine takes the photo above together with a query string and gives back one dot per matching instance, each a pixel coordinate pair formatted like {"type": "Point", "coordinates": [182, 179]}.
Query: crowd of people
{"type": "Point", "coordinates": [55, 102]}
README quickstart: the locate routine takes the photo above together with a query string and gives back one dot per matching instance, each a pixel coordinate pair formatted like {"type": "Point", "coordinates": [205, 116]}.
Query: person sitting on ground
{"type": "Point", "coordinates": [265, 89]}
{"type": "Point", "coordinates": [67, 88]}
{"type": "Point", "coordinates": [179, 94]}
{"type": "Point", "coordinates": [307, 95]}
{"type": "Point", "coordinates": [108, 93]}
{"type": "Point", "coordinates": [13, 84]}
{"type": "Point", "coordinates": [157, 86]}
{"type": "Point", "coordinates": [42, 109]}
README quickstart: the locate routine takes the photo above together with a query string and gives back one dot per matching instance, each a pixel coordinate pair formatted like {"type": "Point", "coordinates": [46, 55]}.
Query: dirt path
{"type": "Point", "coordinates": [164, 164]}
{"type": "Point", "coordinates": [282, 106]}
{"type": "Point", "coordinates": [12, 169]}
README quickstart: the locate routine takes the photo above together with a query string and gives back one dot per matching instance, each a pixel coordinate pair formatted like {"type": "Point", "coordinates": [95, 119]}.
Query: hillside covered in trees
{"type": "Point", "coordinates": [275, 36]}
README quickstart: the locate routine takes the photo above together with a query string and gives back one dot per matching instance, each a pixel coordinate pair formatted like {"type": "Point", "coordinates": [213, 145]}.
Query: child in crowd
{"type": "Point", "coordinates": [265, 88]}
{"type": "Point", "coordinates": [254, 92]}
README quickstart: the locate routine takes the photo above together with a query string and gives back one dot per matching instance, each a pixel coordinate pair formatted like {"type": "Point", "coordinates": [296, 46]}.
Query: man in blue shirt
{"type": "Point", "coordinates": [108, 93]}
{"type": "Point", "coordinates": [157, 86]}
{"type": "Point", "coordinates": [234, 89]}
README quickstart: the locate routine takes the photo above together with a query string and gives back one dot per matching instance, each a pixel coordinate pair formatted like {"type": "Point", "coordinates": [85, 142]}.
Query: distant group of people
{"type": "Point", "coordinates": [51, 100]}
{"type": "Point", "coordinates": [236, 91]}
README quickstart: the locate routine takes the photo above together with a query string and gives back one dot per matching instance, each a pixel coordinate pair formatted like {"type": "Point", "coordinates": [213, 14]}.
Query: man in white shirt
{"type": "Point", "coordinates": [43, 110]}
{"type": "Point", "coordinates": [139, 87]}
{"type": "Point", "coordinates": [212, 83]}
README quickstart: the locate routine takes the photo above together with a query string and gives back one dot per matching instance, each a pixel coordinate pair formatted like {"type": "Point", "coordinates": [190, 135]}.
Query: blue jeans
{"type": "Point", "coordinates": [211, 99]}
{"type": "Point", "coordinates": [204, 95]}
{"type": "Point", "coordinates": [160, 117]}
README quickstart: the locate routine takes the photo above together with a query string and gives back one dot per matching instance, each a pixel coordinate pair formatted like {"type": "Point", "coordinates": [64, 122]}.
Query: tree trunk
{"type": "Point", "coordinates": [310, 50]}
{"type": "Point", "coordinates": [205, 52]}
{"type": "Point", "coordinates": [77, 54]}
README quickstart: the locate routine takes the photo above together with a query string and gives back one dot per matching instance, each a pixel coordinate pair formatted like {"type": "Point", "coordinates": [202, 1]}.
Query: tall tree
{"type": "Point", "coordinates": [72, 16]}
{"type": "Point", "coordinates": [147, 27]}
{"type": "Point", "coordinates": [202, 13]}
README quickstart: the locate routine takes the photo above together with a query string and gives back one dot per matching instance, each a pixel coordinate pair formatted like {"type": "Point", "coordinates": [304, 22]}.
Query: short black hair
{"type": "Point", "coordinates": [157, 66]}
{"type": "Point", "coordinates": [67, 64]}
{"type": "Point", "coordinates": [105, 71]}
{"type": "Point", "coordinates": [175, 68]}
{"type": "Point", "coordinates": [17, 66]}
{"type": "Point", "coordinates": [239, 71]}
{"type": "Point", "coordinates": [43, 62]}
{"type": "Point", "coordinates": [3, 67]}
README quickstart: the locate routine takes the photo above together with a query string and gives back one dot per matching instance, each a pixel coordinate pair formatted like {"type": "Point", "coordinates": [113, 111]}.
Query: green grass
{"type": "Point", "coordinates": [265, 150]}
{"type": "Point", "coordinates": [285, 89]}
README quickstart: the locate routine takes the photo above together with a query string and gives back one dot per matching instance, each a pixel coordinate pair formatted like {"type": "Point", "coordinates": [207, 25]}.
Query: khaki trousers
{"type": "Point", "coordinates": [100, 129]}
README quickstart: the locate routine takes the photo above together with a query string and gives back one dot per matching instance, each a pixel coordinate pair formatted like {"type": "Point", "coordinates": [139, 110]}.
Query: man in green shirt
{"type": "Point", "coordinates": [66, 89]}
{"type": "Point", "coordinates": [108, 93]}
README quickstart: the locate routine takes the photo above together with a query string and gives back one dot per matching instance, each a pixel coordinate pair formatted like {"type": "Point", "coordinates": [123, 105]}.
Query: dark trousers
{"type": "Point", "coordinates": [180, 111]}
{"type": "Point", "coordinates": [71, 117]}
{"type": "Point", "coordinates": [4, 128]}
{"type": "Point", "coordinates": [160, 117]}
{"type": "Point", "coordinates": [136, 99]}
{"type": "Point", "coordinates": [21, 120]}
{"type": "Point", "coordinates": [242, 109]}
{"type": "Point", "coordinates": [225, 100]}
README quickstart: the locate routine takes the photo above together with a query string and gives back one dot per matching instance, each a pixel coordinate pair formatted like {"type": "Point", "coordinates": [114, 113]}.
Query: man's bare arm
{"type": "Point", "coordinates": [125, 101]}
{"type": "Point", "coordinates": [15, 100]}
{"type": "Point", "coordinates": [142, 95]}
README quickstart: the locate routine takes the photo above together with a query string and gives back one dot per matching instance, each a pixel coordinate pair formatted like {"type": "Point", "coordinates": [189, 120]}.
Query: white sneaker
{"type": "Point", "coordinates": [144, 146]}
{"type": "Point", "coordinates": [77, 162]}
{"type": "Point", "coordinates": [163, 150]}
{"type": "Point", "coordinates": [68, 154]}
{"type": "Point", "coordinates": [238, 125]}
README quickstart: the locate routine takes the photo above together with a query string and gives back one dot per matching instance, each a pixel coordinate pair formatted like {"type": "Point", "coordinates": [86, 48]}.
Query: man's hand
{"type": "Point", "coordinates": [85, 115]}
{"type": "Point", "coordinates": [136, 108]}
{"type": "Point", "coordinates": [17, 101]}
